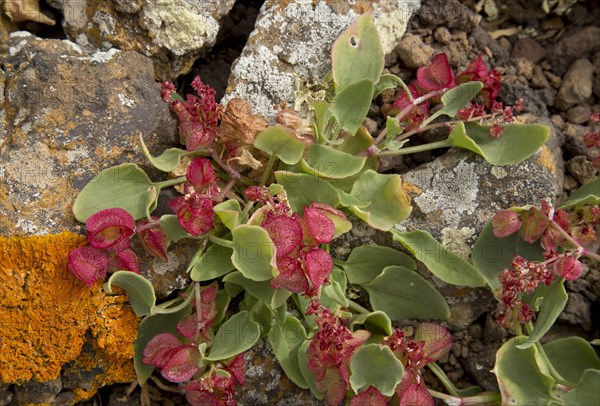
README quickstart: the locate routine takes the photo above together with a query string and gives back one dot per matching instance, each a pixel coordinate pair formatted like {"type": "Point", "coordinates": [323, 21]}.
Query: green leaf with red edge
{"type": "Point", "coordinates": [253, 253]}
{"type": "Point", "coordinates": [438, 340]}
{"type": "Point", "coordinates": [280, 142]}
{"type": "Point", "coordinates": [389, 203]}
{"type": "Point", "coordinates": [519, 377]}
{"type": "Point", "coordinates": [357, 54]}
{"type": "Point", "coordinates": [375, 365]}
{"type": "Point", "coordinates": [125, 186]}
{"type": "Point", "coordinates": [235, 336]}
{"type": "Point", "coordinates": [441, 262]}
{"type": "Point", "coordinates": [517, 143]}
{"type": "Point", "coordinates": [404, 294]}
{"type": "Point", "coordinates": [552, 300]}
{"type": "Point", "coordinates": [491, 254]}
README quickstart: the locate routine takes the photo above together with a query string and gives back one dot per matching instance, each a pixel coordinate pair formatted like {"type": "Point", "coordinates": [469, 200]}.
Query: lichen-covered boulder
{"type": "Point", "coordinates": [174, 33]}
{"type": "Point", "coordinates": [289, 48]}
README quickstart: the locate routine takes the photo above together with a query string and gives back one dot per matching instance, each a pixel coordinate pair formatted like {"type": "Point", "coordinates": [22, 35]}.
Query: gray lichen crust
{"type": "Point", "coordinates": [292, 40]}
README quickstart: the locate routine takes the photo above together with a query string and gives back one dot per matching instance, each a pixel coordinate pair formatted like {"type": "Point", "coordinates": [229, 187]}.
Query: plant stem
{"type": "Point", "coordinates": [482, 398]}
{"type": "Point", "coordinates": [171, 310]}
{"type": "Point", "coordinates": [170, 182]}
{"type": "Point", "coordinates": [267, 170]}
{"type": "Point", "coordinates": [419, 148]}
{"type": "Point", "coordinates": [441, 375]}
{"type": "Point", "coordinates": [570, 239]}
{"type": "Point", "coordinates": [199, 326]}
{"type": "Point", "coordinates": [220, 241]}
{"type": "Point", "coordinates": [352, 305]}
{"type": "Point", "coordinates": [555, 374]}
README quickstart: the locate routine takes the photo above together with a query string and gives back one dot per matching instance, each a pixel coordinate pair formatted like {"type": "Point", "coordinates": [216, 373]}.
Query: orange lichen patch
{"type": "Point", "coordinates": [547, 160]}
{"type": "Point", "coordinates": [45, 313]}
{"type": "Point", "coordinates": [411, 189]}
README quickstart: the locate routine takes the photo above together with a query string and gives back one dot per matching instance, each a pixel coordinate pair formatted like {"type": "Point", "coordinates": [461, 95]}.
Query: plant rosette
{"type": "Point", "coordinates": [262, 203]}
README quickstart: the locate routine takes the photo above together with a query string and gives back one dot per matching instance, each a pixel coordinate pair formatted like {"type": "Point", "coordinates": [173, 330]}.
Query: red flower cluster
{"type": "Point", "coordinates": [197, 115]}
{"type": "Point", "coordinates": [431, 342]}
{"type": "Point", "coordinates": [592, 139]}
{"type": "Point", "coordinates": [108, 233]}
{"type": "Point", "coordinates": [195, 209]}
{"type": "Point", "coordinates": [214, 389]}
{"type": "Point", "coordinates": [330, 351]}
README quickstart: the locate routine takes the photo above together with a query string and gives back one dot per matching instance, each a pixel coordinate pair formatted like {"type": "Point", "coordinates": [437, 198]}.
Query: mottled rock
{"type": "Point", "coordinates": [85, 117]}
{"type": "Point", "coordinates": [6, 394]}
{"type": "Point", "coordinates": [413, 51]}
{"type": "Point", "coordinates": [174, 33]}
{"type": "Point", "coordinates": [578, 43]}
{"type": "Point", "coordinates": [582, 169]}
{"type": "Point", "coordinates": [529, 49]}
{"type": "Point", "coordinates": [579, 114]}
{"type": "Point", "coordinates": [451, 14]}
{"type": "Point", "coordinates": [577, 311]}
{"type": "Point", "coordinates": [290, 46]}
{"type": "Point", "coordinates": [38, 392]}
{"type": "Point", "coordinates": [576, 86]}
{"type": "Point", "coordinates": [479, 366]}
{"type": "Point", "coordinates": [442, 35]}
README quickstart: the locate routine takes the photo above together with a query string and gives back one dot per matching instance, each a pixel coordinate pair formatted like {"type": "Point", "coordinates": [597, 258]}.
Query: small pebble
{"type": "Point", "coordinates": [505, 43]}
{"type": "Point", "coordinates": [538, 79]}
{"type": "Point", "coordinates": [371, 125]}
{"type": "Point", "coordinates": [546, 65]}
{"type": "Point", "coordinates": [570, 183]}
{"type": "Point", "coordinates": [464, 352]}
{"type": "Point", "coordinates": [555, 81]}
{"type": "Point", "coordinates": [558, 121]}
{"type": "Point", "coordinates": [524, 67]}
{"type": "Point", "coordinates": [582, 169]}
{"type": "Point", "coordinates": [477, 346]}
{"type": "Point", "coordinates": [442, 35]}
{"type": "Point", "coordinates": [579, 114]}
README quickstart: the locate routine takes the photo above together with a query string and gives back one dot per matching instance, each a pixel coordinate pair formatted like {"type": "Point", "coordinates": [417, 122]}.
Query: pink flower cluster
{"type": "Point", "coordinates": [592, 139]}
{"type": "Point", "coordinates": [302, 264]}
{"type": "Point", "coordinates": [195, 208]}
{"type": "Point", "coordinates": [197, 115]}
{"type": "Point", "coordinates": [437, 77]}
{"type": "Point", "coordinates": [108, 233]}
{"type": "Point", "coordinates": [330, 351]}
{"type": "Point", "coordinates": [180, 361]}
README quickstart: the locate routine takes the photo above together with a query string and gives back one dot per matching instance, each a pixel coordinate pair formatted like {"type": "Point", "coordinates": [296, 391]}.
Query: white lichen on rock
{"type": "Point", "coordinates": [178, 26]}
{"type": "Point", "coordinates": [391, 18]}
{"type": "Point", "coordinates": [455, 240]}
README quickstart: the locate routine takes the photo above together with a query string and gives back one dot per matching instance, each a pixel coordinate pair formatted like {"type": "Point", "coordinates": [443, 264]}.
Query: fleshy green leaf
{"type": "Point", "coordinates": [393, 129]}
{"type": "Point", "coordinates": [351, 105]}
{"type": "Point", "coordinates": [327, 162]}
{"type": "Point", "coordinates": [388, 81]}
{"type": "Point", "coordinates": [147, 329]}
{"type": "Point", "coordinates": [303, 189]}
{"type": "Point", "coordinates": [229, 212]}
{"type": "Point", "coordinates": [377, 366]}
{"type": "Point", "coordinates": [167, 161]}
{"type": "Point", "coordinates": [389, 203]}
{"type": "Point", "coordinates": [378, 323]}
{"type": "Point", "coordinates": [357, 54]}
{"type": "Point", "coordinates": [553, 300]}
{"type": "Point", "coordinates": [571, 356]}
{"type": "Point", "coordinates": [517, 143]}
{"type": "Point", "coordinates": [366, 262]}
{"type": "Point", "coordinates": [404, 294]}
{"type": "Point", "coordinates": [214, 262]}
{"type": "Point", "coordinates": [336, 288]}
{"type": "Point", "coordinates": [139, 290]}
{"type": "Point", "coordinates": [262, 290]}
{"type": "Point", "coordinates": [286, 339]}
{"type": "Point", "coordinates": [281, 142]}
{"type": "Point", "coordinates": [171, 227]}
{"type": "Point", "coordinates": [235, 336]}
{"type": "Point", "coordinates": [519, 377]}
{"type": "Point", "coordinates": [442, 263]}
{"type": "Point", "coordinates": [491, 255]}
{"type": "Point", "coordinates": [586, 194]}
{"type": "Point", "coordinates": [456, 99]}
{"type": "Point", "coordinates": [253, 253]}
{"type": "Point", "coordinates": [358, 143]}
{"type": "Point", "coordinates": [587, 390]}
{"type": "Point", "coordinates": [125, 186]}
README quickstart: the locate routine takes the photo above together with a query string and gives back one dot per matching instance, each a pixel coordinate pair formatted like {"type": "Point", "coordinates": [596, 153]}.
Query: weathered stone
{"type": "Point", "coordinates": [6, 395]}
{"type": "Point", "coordinates": [174, 33]}
{"type": "Point", "coordinates": [529, 49]}
{"type": "Point", "coordinates": [38, 392]}
{"type": "Point", "coordinates": [85, 117]}
{"type": "Point", "coordinates": [578, 43]}
{"type": "Point", "coordinates": [575, 144]}
{"type": "Point", "coordinates": [582, 169]}
{"type": "Point", "coordinates": [290, 47]}
{"type": "Point", "coordinates": [451, 14]}
{"type": "Point", "coordinates": [576, 86]}
{"type": "Point", "coordinates": [413, 51]}
{"type": "Point", "coordinates": [579, 114]}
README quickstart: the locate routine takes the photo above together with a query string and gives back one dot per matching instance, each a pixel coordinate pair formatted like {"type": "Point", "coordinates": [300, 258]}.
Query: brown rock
{"type": "Point", "coordinates": [413, 52]}
{"type": "Point", "coordinates": [579, 114]}
{"type": "Point", "coordinates": [442, 35]}
{"type": "Point", "coordinates": [529, 49]}
{"type": "Point", "coordinates": [578, 43]}
{"type": "Point", "coordinates": [538, 79]}
{"type": "Point", "coordinates": [582, 169]}
{"type": "Point", "coordinates": [451, 14]}
{"type": "Point", "coordinates": [576, 86]}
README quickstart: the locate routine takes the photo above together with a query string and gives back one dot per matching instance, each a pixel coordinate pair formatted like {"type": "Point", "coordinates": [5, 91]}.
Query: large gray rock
{"type": "Point", "coordinates": [290, 46]}
{"type": "Point", "coordinates": [174, 33]}
{"type": "Point", "coordinates": [70, 114]}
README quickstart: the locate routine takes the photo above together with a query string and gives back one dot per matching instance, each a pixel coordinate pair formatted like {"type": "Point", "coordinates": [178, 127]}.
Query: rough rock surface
{"type": "Point", "coordinates": [85, 118]}
{"type": "Point", "coordinates": [290, 46]}
{"type": "Point", "coordinates": [576, 85]}
{"type": "Point", "coordinates": [174, 33]}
